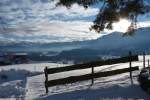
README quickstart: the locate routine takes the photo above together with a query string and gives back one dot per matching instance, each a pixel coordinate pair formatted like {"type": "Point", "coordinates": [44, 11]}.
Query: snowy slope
{"type": "Point", "coordinates": [114, 87]}
{"type": "Point", "coordinates": [24, 82]}
{"type": "Point", "coordinates": [115, 41]}
{"type": "Point", "coordinates": [111, 89]}
{"type": "Point", "coordinates": [13, 78]}
{"type": "Point", "coordinates": [113, 44]}
{"type": "Point", "coordinates": [35, 67]}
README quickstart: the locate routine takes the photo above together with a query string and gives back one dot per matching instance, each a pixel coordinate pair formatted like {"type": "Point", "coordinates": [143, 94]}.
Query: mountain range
{"type": "Point", "coordinates": [114, 44]}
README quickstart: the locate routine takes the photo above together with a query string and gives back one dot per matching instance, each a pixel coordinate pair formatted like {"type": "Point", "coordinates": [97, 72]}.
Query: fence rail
{"type": "Point", "coordinates": [72, 79]}
{"type": "Point", "coordinates": [92, 64]}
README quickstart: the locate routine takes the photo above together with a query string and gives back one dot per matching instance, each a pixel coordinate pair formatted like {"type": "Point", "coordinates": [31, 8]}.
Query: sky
{"type": "Point", "coordinates": [40, 21]}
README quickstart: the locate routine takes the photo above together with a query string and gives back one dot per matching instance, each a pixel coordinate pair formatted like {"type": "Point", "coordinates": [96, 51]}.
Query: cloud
{"type": "Point", "coordinates": [50, 31]}
{"type": "Point", "coordinates": [42, 21]}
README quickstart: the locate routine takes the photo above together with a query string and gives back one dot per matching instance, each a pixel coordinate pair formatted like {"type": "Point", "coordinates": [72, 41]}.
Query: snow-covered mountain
{"type": "Point", "coordinates": [114, 44]}
{"type": "Point", "coordinates": [116, 41]}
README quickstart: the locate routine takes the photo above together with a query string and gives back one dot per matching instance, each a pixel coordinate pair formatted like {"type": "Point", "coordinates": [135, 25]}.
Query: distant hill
{"type": "Point", "coordinates": [111, 45]}
{"type": "Point", "coordinates": [140, 41]}
{"type": "Point", "coordinates": [114, 44]}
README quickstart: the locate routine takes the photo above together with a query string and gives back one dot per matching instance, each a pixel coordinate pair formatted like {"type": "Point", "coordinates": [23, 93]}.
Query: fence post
{"type": "Point", "coordinates": [144, 59]}
{"type": "Point", "coordinates": [130, 66]}
{"type": "Point", "coordinates": [148, 62]}
{"type": "Point", "coordinates": [46, 79]}
{"type": "Point", "coordinates": [92, 75]}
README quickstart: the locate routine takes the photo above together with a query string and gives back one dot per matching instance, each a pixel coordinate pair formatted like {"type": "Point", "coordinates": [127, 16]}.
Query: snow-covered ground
{"type": "Point", "coordinates": [36, 67]}
{"type": "Point", "coordinates": [13, 78]}
{"type": "Point", "coordinates": [27, 82]}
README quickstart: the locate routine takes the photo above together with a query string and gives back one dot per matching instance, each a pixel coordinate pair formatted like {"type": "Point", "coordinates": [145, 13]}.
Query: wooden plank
{"type": "Point", "coordinates": [94, 64]}
{"type": "Point", "coordinates": [73, 79]}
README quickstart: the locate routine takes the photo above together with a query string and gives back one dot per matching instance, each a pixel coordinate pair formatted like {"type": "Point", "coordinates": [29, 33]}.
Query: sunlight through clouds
{"type": "Point", "coordinates": [33, 20]}
{"type": "Point", "coordinates": [122, 25]}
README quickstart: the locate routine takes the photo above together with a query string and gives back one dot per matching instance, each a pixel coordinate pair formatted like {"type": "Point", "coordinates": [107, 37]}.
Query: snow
{"type": "Point", "coordinates": [84, 90]}
{"type": "Point", "coordinates": [13, 82]}
{"type": "Point", "coordinates": [32, 84]}
{"type": "Point", "coordinates": [104, 88]}
{"type": "Point", "coordinates": [12, 89]}
{"type": "Point", "coordinates": [13, 78]}
{"type": "Point", "coordinates": [115, 41]}
{"type": "Point", "coordinates": [35, 67]}
{"type": "Point", "coordinates": [118, 91]}
{"type": "Point", "coordinates": [24, 82]}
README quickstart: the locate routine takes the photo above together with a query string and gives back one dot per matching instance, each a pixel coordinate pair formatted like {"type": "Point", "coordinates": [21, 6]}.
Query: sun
{"type": "Point", "coordinates": [122, 25]}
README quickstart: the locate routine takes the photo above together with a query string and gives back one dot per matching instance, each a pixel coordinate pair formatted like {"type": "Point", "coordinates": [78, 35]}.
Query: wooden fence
{"type": "Point", "coordinates": [92, 65]}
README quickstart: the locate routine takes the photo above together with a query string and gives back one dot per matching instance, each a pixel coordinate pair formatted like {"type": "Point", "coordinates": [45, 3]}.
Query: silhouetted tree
{"type": "Point", "coordinates": [112, 11]}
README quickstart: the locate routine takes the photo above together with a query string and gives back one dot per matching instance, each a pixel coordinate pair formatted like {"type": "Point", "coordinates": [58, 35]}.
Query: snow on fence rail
{"type": "Point", "coordinates": [72, 79]}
